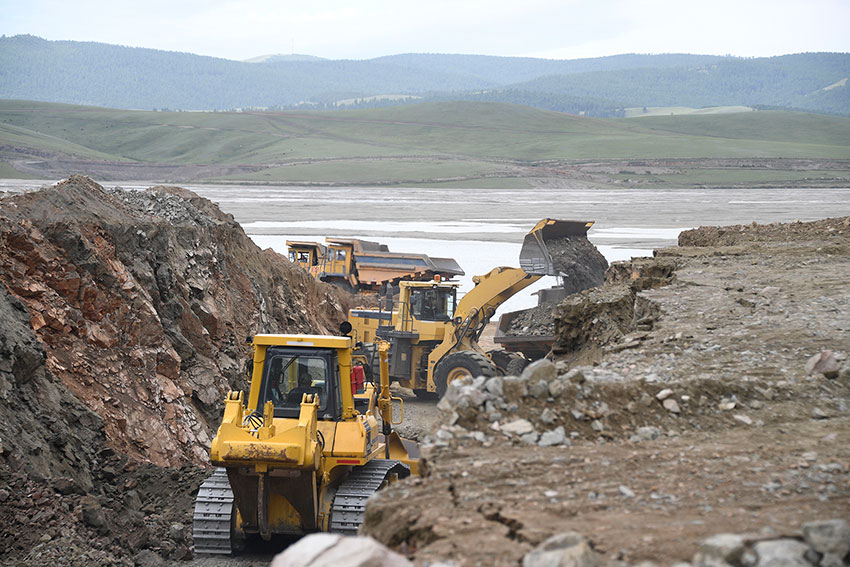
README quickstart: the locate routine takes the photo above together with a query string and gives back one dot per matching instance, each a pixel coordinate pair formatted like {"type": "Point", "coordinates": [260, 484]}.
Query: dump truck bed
{"type": "Point", "coordinates": [532, 346]}
{"type": "Point", "coordinates": [377, 267]}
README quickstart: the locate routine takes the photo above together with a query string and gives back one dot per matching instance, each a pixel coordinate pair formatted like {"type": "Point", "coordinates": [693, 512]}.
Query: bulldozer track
{"type": "Point", "coordinates": [349, 505]}
{"type": "Point", "coordinates": [213, 510]}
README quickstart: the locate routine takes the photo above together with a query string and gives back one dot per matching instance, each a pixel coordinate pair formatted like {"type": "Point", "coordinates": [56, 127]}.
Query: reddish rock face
{"type": "Point", "coordinates": [143, 303]}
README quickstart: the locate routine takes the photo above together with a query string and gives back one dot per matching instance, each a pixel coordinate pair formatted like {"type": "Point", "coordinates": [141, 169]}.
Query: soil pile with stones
{"type": "Point", "coordinates": [580, 265]}
{"type": "Point", "coordinates": [712, 398]}
{"type": "Point", "coordinates": [125, 317]}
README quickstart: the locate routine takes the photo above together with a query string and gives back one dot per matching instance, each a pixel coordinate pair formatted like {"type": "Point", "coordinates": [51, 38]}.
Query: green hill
{"type": "Point", "coordinates": [790, 81]}
{"type": "Point", "coordinates": [427, 143]}
{"type": "Point", "coordinates": [113, 76]}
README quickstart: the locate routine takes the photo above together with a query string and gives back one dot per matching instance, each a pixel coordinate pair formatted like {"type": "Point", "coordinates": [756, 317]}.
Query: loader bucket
{"type": "Point", "coordinates": [535, 257]}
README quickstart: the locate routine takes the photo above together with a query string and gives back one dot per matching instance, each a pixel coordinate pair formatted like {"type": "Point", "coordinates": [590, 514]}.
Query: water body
{"type": "Point", "coordinates": [484, 228]}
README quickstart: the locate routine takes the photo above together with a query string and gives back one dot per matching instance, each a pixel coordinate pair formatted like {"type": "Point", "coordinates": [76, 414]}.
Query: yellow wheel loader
{"type": "Point", "coordinates": [303, 452]}
{"type": "Point", "coordinates": [434, 337]}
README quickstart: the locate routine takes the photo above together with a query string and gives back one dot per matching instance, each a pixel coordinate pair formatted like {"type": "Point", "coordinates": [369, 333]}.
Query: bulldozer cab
{"type": "Point", "coordinates": [289, 373]}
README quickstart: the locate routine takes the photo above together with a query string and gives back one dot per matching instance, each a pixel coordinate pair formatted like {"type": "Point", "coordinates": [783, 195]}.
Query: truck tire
{"type": "Point", "coordinates": [460, 364]}
{"type": "Point", "coordinates": [508, 363]}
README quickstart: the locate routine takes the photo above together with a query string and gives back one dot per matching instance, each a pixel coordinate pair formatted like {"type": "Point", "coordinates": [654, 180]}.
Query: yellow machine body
{"type": "Point", "coordinates": [430, 348]}
{"type": "Point", "coordinates": [289, 445]}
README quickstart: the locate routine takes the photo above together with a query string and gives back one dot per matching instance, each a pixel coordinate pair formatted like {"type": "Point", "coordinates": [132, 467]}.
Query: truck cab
{"type": "Point", "coordinates": [338, 261]}
{"type": "Point", "coordinates": [308, 255]}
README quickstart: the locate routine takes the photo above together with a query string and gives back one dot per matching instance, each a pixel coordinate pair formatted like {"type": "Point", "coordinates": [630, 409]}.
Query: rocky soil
{"type": "Point", "coordinates": [580, 265]}
{"type": "Point", "coordinates": [700, 392]}
{"type": "Point", "coordinates": [124, 320]}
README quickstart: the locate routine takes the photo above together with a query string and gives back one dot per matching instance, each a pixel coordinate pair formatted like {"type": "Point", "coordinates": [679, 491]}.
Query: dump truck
{"type": "Point", "coordinates": [366, 266]}
{"type": "Point", "coordinates": [537, 341]}
{"type": "Point", "coordinates": [305, 448]}
{"type": "Point", "coordinates": [434, 336]}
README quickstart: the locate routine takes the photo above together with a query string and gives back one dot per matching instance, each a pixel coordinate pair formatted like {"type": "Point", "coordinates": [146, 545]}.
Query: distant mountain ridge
{"type": "Point", "coordinates": [281, 57]}
{"type": "Point", "coordinates": [114, 76]}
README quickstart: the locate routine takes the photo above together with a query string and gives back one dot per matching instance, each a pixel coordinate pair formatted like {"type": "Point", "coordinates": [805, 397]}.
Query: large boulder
{"type": "Point", "coordinates": [334, 550]}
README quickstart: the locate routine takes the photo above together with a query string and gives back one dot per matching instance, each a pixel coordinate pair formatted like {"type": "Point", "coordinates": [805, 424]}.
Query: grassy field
{"type": "Point", "coordinates": [751, 177]}
{"type": "Point", "coordinates": [638, 112]}
{"type": "Point", "coordinates": [470, 144]}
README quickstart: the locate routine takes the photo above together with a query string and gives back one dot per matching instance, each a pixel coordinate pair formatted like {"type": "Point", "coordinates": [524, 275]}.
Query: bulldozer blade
{"type": "Point", "coordinates": [534, 258]}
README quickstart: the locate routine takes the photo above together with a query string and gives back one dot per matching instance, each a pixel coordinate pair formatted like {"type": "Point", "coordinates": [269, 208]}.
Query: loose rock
{"type": "Point", "coordinates": [823, 363]}
{"type": "Point", "coordinates": [333, 550]}
{"type": "Point", "coordinates": [563, 550]}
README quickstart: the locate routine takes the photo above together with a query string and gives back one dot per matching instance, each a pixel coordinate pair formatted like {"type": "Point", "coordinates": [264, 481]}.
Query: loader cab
{"type": "Point", "coordinates": [432, 302]}
{"type": "Point", "coordinates": [291, 372]}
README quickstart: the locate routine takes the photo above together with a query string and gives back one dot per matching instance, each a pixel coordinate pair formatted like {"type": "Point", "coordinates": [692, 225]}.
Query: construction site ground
{"type": "Point", "coordinates": [757, 445]}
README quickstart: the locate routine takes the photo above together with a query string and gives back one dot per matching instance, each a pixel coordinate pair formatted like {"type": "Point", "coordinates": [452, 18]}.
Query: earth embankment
{"type": "Point", "coordinates": [700, 392]}
{"type": "Point", "coordinates": [125, 317]}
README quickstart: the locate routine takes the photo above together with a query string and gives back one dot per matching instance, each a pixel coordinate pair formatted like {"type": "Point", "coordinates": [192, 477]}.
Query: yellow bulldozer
{"type": "Point", "coordinates": [434, 336]}
{"type": "Point", "coordinates": [303, 451]}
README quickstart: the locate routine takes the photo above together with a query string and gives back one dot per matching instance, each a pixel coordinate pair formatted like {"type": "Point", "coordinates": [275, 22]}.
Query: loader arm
{"type": "Point", "coordinates": [492, 289]}
{"type": "Point", "coordinates": [477, 307]}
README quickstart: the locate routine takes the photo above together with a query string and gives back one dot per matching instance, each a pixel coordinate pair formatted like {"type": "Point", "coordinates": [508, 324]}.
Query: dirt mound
{"type": "Point", "coordinates": [776, 232]}
{"type": "Point", "coordinates": [595, 316]}
{"type": "Point", "coordinates": [586, 323]}
{"type": "Point", "coordinates": [579, 262]}
{"type": "Point", "coordinates": [125, 317]}
{"type": "Point", "coordinates": [642, 273]}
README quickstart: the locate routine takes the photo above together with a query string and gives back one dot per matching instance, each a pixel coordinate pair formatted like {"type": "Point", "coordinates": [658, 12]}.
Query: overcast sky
{"type": "Point", "coordinates": [362, 29]}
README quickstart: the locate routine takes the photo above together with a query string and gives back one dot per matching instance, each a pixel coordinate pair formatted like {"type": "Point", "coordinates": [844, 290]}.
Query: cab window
{"type": "Point", "coordinates": [434, 304]}
{"type": "Point", "coordinates": [288, 374]}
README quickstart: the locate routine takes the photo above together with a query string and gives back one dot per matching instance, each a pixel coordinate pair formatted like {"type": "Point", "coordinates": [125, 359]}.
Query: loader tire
{"type": "Point", "coordinates": [516, 366]}
{"type": "Point", "coordinates": [423, 394]}
{"type": "Point", "coordinates": [508, 363]}
{"type": "Point", "coordinates": [460, 364]}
